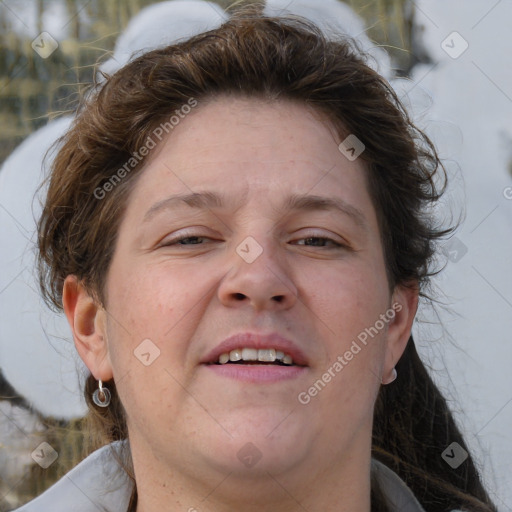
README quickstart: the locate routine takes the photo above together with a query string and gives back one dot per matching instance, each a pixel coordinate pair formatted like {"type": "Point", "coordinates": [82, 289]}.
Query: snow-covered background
{"type": "Point", "coordinates": [463, 99]}
{"type": "Point", "coordinates": [470, 83]}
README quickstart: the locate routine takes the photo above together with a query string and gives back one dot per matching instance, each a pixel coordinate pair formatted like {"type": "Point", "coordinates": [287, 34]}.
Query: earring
{"type": "Point", "coordinates": [393, 377]}
{"type": "Point", "coordinates": [101, 397]}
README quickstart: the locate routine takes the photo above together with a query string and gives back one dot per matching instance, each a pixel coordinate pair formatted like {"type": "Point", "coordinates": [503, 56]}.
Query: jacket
{"type": "Point", "coordinates": [98, 483]}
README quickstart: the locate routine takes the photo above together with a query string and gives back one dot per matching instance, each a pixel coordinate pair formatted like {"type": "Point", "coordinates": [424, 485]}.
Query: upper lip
{"type": "Point", "coordinates": [257, 340]}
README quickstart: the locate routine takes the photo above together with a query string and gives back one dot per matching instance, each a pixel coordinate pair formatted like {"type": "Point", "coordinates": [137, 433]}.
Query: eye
{"type": "Point", "coordinates": [190, 240]}
{"type": "Point", "coordinates": [320, 241]}
{"type": "Point", "coordinates": [185, 240]}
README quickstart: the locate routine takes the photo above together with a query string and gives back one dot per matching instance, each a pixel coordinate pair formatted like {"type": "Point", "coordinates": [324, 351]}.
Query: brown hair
{"type": "Point", "coordinates": [274, 59]}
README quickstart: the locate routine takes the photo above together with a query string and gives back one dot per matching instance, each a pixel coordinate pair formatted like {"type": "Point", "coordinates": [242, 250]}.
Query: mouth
{"type": "Point", "coordinates": [254, 356]}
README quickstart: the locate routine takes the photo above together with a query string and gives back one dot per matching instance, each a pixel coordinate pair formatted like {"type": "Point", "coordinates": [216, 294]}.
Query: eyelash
{"type": "Point", "coordinates": [176, 241]}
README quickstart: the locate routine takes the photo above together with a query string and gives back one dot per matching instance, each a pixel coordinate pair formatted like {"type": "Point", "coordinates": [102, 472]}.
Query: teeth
{"type": "Point", "coordinates": [265, 355]}
{"type": "Point", "coordinates": [287, 360]}
{"type": "Point", "coordinates": [249, 354]}
{"type": "Point", "coordinates": [235, 355]}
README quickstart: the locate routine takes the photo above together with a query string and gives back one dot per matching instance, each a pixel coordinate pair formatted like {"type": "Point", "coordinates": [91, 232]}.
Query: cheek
{"type": "Point", "coordinates": [143, 296]}
{"type": "Point", "coordinates": [349, 303]}
{"type": "Point", "coordinates": [152, 302]}
{"type": "Point", "coordinates": [348, 296]}
{"type": "Point", "coordinates": [149, 310]}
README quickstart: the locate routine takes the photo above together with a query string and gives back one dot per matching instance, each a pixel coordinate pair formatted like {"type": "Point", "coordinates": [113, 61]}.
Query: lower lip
{"type": "Point", "coordinates": [257, 373]}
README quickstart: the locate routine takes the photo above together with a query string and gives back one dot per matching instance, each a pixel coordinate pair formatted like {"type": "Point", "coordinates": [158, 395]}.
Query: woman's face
{"type": "Point", "coordinates": [276, 240]}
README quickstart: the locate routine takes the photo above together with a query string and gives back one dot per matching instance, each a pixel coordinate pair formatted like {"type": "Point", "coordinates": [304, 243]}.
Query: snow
{"type": "Point", "coordinates": [464, 103]}
{"type": "Point", "coordinates": [472, 99]}
{"type": "Point", "coordinates": [161, 24]}
{"type": "Point", "coordinates": [36, 353]}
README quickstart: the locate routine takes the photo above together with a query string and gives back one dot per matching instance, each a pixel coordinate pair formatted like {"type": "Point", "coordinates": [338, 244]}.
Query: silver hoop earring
{"type": "Point", "coordinates": [101, 397]}
{"type": "Point", "coordinates": [393, 377]}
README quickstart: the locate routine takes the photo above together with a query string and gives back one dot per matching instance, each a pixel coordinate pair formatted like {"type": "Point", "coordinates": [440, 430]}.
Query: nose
{"type": "Point", "coordinates": [265, 283]}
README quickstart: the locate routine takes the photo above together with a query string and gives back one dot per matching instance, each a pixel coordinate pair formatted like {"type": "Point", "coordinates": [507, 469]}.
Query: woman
{"type": "Point", "coordinates": [235, 228]}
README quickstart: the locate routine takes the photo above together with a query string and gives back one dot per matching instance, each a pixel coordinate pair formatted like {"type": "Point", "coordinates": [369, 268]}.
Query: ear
{"type": "Point", "coordinates": [404, 302]}
{"type": "Point", "coordinates": [87, 320]}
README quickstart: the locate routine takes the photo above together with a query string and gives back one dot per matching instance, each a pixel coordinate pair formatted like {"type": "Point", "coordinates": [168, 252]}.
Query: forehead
{"type": "Point", "coordinates": [252, 148]}
{"type": "Point", "coordinates": [268, 128]}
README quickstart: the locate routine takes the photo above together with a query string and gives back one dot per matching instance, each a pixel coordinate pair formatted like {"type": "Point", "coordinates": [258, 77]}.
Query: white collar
{"type": "Point", "coordinates": [98, 483]}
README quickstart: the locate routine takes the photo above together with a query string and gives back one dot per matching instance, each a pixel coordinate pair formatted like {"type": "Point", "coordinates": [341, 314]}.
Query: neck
{"type": "Point", "coordinates": [342, 485]}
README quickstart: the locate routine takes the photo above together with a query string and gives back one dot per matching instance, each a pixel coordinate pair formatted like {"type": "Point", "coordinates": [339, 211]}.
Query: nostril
{"type": "Point", "coordinates": [240, 296]}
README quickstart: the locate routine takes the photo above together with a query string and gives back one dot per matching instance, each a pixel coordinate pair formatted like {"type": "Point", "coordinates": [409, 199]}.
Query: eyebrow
{"type": "Point", "coordinates": [323, 203]}
{"type": "Point", "coordinates": [295, 202]}
{"type": "Point", "coordinates": [202, 200]}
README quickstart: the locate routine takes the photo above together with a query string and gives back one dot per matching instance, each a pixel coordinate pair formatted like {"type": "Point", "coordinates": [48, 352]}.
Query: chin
{"type": "Point", "coordinates": [251, 459]}
{"type": "Point", "coordinates": [262, 441]}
